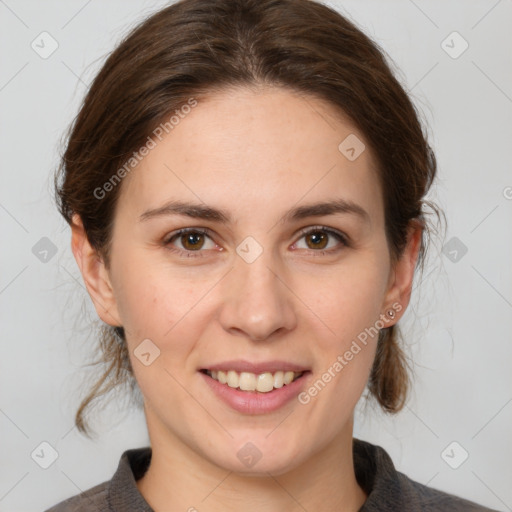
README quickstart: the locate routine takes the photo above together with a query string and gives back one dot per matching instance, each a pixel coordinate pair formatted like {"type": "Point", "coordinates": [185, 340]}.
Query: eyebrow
{"type": "Point", "coordinates": [202, 211]}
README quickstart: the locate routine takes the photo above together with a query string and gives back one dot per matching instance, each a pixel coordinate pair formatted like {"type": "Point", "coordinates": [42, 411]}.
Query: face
{"type": "Point", "coordinates": [262, 283]}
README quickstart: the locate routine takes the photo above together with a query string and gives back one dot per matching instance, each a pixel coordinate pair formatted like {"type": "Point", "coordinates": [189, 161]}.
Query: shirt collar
{"type": "Point", "coordinates": [378, 477]}
{"type": "Point", "coordinates": [123, 493]}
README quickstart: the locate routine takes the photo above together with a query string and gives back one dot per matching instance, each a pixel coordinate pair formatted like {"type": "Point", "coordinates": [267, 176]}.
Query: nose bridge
{"type": "Point", "coordinates": [260, 276]}
{"type": "Point", "coordinates": [258, 302]}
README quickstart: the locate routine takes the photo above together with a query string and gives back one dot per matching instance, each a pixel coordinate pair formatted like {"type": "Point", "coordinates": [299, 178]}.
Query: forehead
{"type": "Point", "coordinates": [267, 150]}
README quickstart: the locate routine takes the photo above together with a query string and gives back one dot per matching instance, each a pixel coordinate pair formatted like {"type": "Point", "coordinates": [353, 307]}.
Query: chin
{"type": "Point", "coordinates": [249, 460]}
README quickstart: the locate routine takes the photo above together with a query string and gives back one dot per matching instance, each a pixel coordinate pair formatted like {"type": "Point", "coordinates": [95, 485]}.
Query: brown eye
{"type": "Point", "coordinates": [192, 241]}
{"type": "Point", "coordinates": [319, 239]}
{"type": "Point", "coordinates": [189, 240]}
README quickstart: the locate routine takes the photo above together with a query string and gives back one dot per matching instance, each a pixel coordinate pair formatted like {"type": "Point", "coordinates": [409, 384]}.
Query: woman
{"type": "Point", "coordinates": [245, 185]}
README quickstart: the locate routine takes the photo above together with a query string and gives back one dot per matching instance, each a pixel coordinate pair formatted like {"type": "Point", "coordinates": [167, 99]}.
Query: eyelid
{"type": "Point", "coordinates": [319, 227]}
{"type": "Point", "coordinates": [184, 231]}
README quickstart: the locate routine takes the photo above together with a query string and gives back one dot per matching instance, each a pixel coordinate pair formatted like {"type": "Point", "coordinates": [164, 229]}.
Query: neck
{"type": "Point", "coordinates": [179, 479]}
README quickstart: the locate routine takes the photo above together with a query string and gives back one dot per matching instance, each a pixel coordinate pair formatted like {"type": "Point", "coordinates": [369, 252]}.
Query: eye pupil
{"type": "Point", "coordinates": [317, 237]}
{"type": "Point", "coordinates": [191, 240]}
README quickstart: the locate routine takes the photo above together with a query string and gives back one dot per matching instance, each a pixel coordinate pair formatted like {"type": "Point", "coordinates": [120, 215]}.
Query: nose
{"type": "Point", "coordinates": [257, 302]}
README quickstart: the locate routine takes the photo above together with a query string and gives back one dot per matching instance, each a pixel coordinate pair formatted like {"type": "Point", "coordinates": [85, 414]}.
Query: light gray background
{"type": "Point", "coordinates": [458, 326]}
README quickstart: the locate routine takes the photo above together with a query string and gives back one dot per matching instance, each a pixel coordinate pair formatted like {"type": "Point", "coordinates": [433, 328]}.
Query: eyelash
{"type": "Point", "coordinates": [192, 254]}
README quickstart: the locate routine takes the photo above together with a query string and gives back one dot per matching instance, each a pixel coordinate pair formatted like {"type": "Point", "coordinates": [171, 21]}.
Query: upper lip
{"type": "Point", "coordinates": [241, 365]}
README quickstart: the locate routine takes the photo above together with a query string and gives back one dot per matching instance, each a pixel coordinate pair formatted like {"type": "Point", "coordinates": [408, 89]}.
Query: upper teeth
{"type": "Point", "coordinates": [264, 382]}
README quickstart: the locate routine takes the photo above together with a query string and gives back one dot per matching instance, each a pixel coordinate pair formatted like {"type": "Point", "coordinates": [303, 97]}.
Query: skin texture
{"type": "Point", "coordinates": [255, 154]}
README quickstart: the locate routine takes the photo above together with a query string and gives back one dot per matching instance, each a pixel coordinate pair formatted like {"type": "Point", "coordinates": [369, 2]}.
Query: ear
{"type": "Point", "coordinates": [401, 276]}
{"type": "Point", "coordinates": [94, 274]}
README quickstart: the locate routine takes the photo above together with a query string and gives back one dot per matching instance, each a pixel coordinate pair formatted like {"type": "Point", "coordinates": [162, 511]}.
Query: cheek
{"type": "Point", "coordinates": [168, 313]}
{"type": "Point", "coordinates": [348, 304]}
{"type": "Point", "coordinates": [152, 300]}
{"type": "Point", "coordinates": [344, 351]}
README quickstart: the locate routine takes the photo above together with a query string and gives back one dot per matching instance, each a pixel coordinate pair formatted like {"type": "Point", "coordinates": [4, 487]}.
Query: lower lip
{"type": "Point", "coordinates": [254, 402]}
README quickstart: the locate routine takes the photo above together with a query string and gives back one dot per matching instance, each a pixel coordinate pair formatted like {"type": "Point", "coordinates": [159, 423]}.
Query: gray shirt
{"type": "Point", "coordinates": [387, 489]}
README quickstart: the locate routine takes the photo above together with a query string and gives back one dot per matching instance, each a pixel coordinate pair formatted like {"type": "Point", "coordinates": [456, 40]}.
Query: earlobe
{"type": "Point", "coordinates": [402, 275]}
{"type": "Point", "coordinates": [94, 274]}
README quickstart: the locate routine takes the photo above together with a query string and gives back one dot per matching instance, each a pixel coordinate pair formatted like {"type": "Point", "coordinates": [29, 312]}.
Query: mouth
{"type": "Point", "coordinates": [253, 388]}
{"type": "Point", "coordinates": [255, 382]}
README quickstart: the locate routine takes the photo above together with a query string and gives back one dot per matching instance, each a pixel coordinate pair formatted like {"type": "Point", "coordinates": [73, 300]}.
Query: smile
{"type": "Point", "coordinates": [255, 393]}
{"type": "Point", "coordinates": [247, 381]}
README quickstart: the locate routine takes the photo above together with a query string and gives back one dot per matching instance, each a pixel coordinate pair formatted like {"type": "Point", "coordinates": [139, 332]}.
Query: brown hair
{"type": "Point", "coordinates": [195, 47]}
